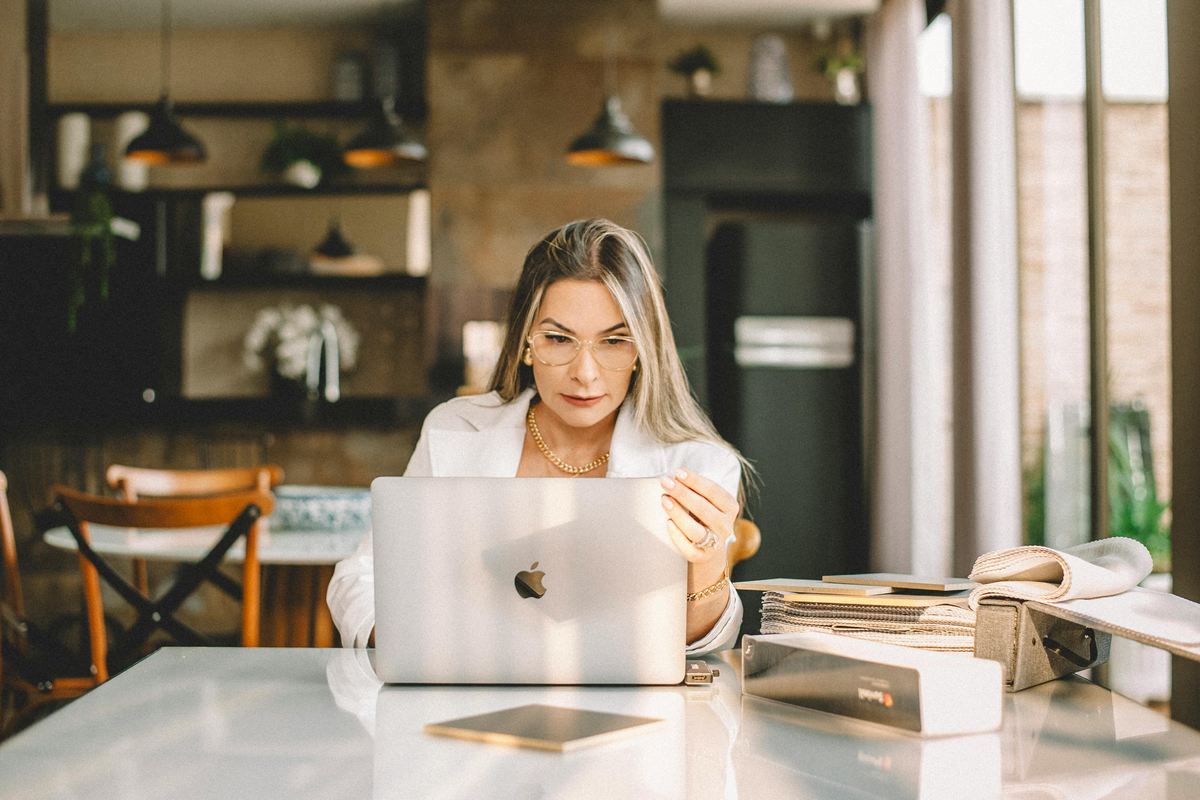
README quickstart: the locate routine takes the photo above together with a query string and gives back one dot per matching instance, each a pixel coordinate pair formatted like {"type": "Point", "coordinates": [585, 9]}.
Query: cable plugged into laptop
{"type": "Point", "coordinates": [699, 673]}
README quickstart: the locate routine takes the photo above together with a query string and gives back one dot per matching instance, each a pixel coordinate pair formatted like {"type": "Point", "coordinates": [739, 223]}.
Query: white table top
{"type": "Point", "coordinates": [190, 544]}
{"type": "Point", "coordinates": [194, 722]}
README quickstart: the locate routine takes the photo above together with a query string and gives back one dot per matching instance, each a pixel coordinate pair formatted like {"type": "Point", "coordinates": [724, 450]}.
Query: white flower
{"type": "Point", "coordinates": [280, 335]}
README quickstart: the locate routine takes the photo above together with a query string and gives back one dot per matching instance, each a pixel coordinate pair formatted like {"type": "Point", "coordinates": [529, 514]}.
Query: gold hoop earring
{"type": "Point", "coordinates": [528, 357]}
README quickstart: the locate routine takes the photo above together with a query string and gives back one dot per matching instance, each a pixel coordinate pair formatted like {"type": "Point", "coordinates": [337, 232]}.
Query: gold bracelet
{"type": "Point", "coordinates": [709, 590]}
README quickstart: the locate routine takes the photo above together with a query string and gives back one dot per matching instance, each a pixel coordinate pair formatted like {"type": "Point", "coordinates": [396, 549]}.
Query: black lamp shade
{"type": "Point", "coordinates": [612, 141]}
{"type": "Point", "coordinates": [334, 245]}
{"type": "Point", "coordinates": [165, 141]}
{"type": "Point", "coordinates": [383, 142]}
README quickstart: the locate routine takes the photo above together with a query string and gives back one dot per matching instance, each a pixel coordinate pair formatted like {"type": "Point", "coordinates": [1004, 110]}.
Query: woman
{"type": "Point", "coordinates": [588, 384]}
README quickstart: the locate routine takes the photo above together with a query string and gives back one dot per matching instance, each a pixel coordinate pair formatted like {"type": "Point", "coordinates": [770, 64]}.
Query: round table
{"type": "Point", "coordinates": [291, 547]}
{"type": "Point", "coordinates": [299, 565]}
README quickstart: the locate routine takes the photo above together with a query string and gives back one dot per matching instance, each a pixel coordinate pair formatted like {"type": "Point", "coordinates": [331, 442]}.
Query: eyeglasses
{"type": "Point", "coordinates": [556, 349]}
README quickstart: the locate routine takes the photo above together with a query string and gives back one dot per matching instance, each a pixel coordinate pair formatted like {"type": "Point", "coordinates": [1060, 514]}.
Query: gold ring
{"type": "Point", "coordinates": [708, 542]}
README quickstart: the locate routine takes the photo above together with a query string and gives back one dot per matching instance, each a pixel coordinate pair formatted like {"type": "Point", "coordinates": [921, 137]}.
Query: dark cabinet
{"type": "Point", "coordinates": [768, 270]}
{"type": "Point", "coordinates": [91, 364]}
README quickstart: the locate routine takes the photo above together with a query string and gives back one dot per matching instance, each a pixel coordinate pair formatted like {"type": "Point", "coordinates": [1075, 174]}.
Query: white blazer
{"type": "Point", "coordinates": [482, 436]}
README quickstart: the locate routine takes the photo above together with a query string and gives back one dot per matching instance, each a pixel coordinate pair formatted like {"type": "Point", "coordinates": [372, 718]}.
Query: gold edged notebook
{"type": "Point", "coordinates": [543, 727]}
{"type": "Point", "coordinates": [902, 581]}
{"type": "Point", "coordinates": [811, 587]}
{"type": "Point", "coordinates": [892, 600]}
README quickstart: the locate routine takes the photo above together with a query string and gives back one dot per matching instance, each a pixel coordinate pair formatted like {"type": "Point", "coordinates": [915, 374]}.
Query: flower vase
{"type": "Point", "coordinates": [846, 91]}
{"type": "Point", "coordinates": [770, 75]}
{"type": "Point", "coordinates": [699, 83]}
{"type": "Point", "coordinates": [304, 174]}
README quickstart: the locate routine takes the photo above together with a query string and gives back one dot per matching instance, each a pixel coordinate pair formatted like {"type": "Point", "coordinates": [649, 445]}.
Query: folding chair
{"type": "Point", "coordinates": [134, 482]}
{"type": "Point", "coordinates": [34, 667]}
{"type": "Point", "coordinates": [239, 511]}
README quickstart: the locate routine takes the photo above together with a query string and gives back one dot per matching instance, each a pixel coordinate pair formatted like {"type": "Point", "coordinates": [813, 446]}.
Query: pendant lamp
{"type": "Point", "coordinates": [612, 140]}
{"type": "Point", "coordinates": [384, 141]}
{"type": "Point", "coordinates": [334, 245]}
{"type": "Point", "coordinates": [165, 141]}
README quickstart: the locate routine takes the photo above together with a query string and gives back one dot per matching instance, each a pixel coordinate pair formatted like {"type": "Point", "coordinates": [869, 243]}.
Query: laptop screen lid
{"type": "Point", "coordinates": [526, 580]}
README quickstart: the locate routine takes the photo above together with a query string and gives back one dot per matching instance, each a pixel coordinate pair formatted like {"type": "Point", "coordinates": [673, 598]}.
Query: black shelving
{"type": "Point", "coordinates": [319, 109]}
{"type": "Point", "coordinates": [66, 415]}
{"type": "Point", "coordinates": [283, 280]}
{"type": "Point", "coordinates": [279, 413]}
{"type": "Point", "coordinates": [337, 187]}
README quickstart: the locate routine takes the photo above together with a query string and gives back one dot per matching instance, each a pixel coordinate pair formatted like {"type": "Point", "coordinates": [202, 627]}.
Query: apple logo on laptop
{"type": "Point", "coordinates": [529, 582]}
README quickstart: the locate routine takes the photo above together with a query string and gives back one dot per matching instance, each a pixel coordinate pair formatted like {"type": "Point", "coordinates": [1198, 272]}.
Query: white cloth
{"type": "Point", "coordinates": [1093, 569]}
{"type": "Point", "coordinates": [482, 436]}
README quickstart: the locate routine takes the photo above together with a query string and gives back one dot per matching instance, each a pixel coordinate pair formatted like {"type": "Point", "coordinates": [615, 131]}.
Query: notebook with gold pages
{"type": "Point", "coordinates": [411, 763]}
{"type": "Point", "coordinates": [544, 727]}
{"type": "Point", "coordinates": [897, 580]}
{"type": "Point", "coordinates": [810, 586]}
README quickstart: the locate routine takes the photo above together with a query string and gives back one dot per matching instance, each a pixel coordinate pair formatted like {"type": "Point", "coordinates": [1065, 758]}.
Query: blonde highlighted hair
{"type": "Point", "coordinates": [600, 250]}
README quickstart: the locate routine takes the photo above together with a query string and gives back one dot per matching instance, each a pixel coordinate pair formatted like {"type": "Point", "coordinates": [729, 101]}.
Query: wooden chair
{"type": "Point", "coordinates": [240, 511]}
{"type": "Point", "coordinates": [132, 483]}
{"type": "Point", "coordinates": [746, 541]}
{"type": "Point", "coordinates": [31, 662]}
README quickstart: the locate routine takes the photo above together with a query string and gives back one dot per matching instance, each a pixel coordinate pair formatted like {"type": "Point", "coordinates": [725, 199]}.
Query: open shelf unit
{"type": "Point", "coordinates": [315, 109]}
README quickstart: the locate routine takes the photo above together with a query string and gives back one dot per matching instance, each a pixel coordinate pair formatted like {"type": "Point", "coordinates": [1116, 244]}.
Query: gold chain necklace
{"type": "Point", "coordinates": [531, 423]}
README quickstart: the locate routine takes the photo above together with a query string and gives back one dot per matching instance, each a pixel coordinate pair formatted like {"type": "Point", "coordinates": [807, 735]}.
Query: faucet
{"type": "Point", "coordinates": [324, 338]}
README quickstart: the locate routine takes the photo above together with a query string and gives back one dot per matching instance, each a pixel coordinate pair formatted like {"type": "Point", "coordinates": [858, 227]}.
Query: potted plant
{"type": "Point", "coordinates": [301, 156]}
{"type": "Point", "coordinates": [698, 65]}
{"type": "Point", "coordinates": [842, 68]}
{"type": "Point", "coordinates": [91, 223]}
{"type": "Point", "coordinates": [1135, 509]}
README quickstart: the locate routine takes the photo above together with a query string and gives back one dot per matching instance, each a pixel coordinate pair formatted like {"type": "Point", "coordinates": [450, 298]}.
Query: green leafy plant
{"type": "Point", "coordinates": [91, 223]}
{"type": "Point", "coordinates": [693, 60]}
{"type": "Point", "coordinates": [1134, 507]}
{"type": "Point", "coordinates": [843, 56]}
{"type": "Point", "coordinates": [1035, 500]}
{"type": "Point", "coordinates": [293, 143]}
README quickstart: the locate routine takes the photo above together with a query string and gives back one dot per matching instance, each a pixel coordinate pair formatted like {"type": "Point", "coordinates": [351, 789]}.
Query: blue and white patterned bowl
{"type": "Point", "coordinates": [321, 508]}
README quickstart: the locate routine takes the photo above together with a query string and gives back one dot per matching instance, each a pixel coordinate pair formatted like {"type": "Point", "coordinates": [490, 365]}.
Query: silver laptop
{"type": "Point", "coordinates": [526, 580]}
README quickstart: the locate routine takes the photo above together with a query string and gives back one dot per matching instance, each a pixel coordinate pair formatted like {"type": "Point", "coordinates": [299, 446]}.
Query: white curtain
{"type": "Point", "coordinates": [986, 381]}
{"type": "Point", "coordinates": [910, 497]}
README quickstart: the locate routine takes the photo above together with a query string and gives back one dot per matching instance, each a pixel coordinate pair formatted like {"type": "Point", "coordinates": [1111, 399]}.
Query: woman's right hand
{"type": "Point", "coordinates": [700, 516]}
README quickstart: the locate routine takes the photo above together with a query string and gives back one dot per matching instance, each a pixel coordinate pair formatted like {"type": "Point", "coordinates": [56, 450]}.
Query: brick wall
{"type": "Point", "coordinates": [1137, 219]}
{"type": "Point", "coordinates": [511, 84]}
{"type": "Point", "coordinates": [1053, 261]}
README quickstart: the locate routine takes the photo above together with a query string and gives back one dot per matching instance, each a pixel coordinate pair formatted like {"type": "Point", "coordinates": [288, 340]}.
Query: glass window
{"type": "Point", "coordinates": [1133, 66]}
{"type": "Point", "coordinates": [1052, 223]}
{"type": "Point", "coordinates": [1053, 151]}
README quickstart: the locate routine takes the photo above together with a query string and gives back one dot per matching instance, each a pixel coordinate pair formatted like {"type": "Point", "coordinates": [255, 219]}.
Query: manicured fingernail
{"type": "Point", "coordinates": [668, 483]}
{"type": "Point", "coordinates": [681, 474]}
{"type": "Point", "coordinates": [667, 504]}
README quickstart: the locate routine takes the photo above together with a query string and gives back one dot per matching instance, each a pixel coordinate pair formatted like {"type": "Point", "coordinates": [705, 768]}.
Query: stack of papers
{"type": "Point", "coordinates": [909, 611]}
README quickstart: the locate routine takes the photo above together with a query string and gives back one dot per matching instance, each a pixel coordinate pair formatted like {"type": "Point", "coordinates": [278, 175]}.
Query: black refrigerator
{"type": "Point", "coordinates": [768, 278]}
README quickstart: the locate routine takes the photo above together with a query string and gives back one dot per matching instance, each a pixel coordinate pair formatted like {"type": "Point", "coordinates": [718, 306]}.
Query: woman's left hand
{"type": "Point", "coordinates": [700, 515]}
